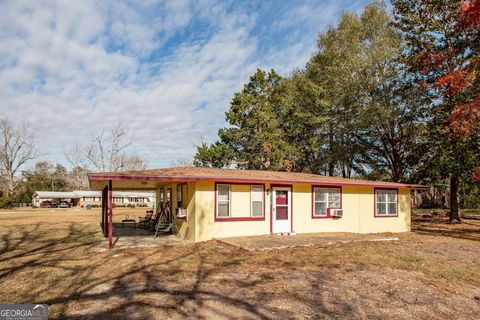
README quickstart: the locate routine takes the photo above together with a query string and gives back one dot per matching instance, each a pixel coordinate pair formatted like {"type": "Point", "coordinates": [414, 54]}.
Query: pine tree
{"type": "Point", "coordinates": [254, 139]}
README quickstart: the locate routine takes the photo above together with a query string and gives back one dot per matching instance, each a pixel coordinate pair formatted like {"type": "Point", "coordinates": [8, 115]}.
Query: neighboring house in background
{"type": "Point", "coordinates": [54, 197]}
{"type": "Point", "coordinates": [215, 203]}
{"type": "Point", "coordinates": [82, 198]}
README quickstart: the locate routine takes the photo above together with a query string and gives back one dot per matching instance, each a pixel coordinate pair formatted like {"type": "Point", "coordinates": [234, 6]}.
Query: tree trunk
{"type": "Point", "coordinates": [331, 165]}
{"type": "Point", "coordinates": [454, 206]}
{"type": "Point", "coordinates": [10, 188]}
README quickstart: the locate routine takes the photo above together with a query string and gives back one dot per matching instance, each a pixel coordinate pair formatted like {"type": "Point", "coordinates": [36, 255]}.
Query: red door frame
{"type": "Point", "coordinates": [271, 204]}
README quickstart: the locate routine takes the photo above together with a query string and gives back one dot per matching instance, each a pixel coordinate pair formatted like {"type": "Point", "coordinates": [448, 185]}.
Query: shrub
{"type": "Point", "coordinates": [7, 202]}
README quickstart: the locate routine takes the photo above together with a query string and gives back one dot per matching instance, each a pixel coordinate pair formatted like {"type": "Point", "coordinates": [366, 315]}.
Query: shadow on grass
{"type": "Point", "coordinates": [467, 230]}
{"type": "Point", "coordinates": [68, 268]}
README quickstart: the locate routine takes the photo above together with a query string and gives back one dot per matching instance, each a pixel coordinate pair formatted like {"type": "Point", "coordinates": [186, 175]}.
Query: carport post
{"type": "Point", "coordinates": [110, 206]}
{"type": "Point", "coordinates": [103, 211]}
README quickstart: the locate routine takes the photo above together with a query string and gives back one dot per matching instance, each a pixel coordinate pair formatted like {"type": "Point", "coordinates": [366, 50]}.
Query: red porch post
{"type": "Point", "coordinates": [110, 206]}
{"type": "Point", "coordinates": [103, 211]}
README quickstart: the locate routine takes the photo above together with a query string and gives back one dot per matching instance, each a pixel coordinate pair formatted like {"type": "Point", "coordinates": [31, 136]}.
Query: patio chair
{"type": "Point", "coordinates": [150, 225]}
{"type": "Point", "coordinates": [142, 221]}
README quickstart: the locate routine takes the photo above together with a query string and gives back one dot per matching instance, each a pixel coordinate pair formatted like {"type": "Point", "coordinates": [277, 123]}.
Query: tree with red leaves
{"type": "Point", "coordinates": [443, 38]}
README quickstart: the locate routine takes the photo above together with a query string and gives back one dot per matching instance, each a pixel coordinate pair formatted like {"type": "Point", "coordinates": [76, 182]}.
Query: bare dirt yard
{"type": "Point", "coordinates": [58, 257]}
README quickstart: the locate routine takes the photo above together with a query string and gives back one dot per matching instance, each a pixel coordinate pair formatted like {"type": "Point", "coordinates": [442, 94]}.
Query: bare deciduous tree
{"type": "Point", "coordinates": [77, 178]}
{"type": "Point", "coordinates": [107, 152]}
{"type": "Point", "coordinates": [17, 147]}
{"type": "Point", "coordinates": [182, 162]}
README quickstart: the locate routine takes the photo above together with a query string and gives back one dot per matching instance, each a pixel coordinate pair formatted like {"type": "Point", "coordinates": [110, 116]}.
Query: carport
{"type": "Point", "coordinates": [40, 196]}
{"type": "Point", "coordinates": [122, 181]}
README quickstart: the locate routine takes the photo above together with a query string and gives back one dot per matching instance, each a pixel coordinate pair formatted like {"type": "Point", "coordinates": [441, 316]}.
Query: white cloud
{"type": "Point", "coordinates": [167, 70]}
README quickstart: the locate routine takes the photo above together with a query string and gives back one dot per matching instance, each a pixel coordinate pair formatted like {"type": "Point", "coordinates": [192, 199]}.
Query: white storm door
{"type": "Point", "coordinates": [281, 205]}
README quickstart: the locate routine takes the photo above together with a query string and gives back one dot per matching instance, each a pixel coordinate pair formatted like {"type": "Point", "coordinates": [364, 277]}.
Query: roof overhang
{"type": "Point", "coordinates": [149, 182]}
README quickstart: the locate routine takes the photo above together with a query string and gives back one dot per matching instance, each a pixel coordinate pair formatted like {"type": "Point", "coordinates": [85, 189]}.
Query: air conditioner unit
{"type": "Point", "coordinates": [336, 213]}
{"type": "Point", "coordinates": [181, 212]}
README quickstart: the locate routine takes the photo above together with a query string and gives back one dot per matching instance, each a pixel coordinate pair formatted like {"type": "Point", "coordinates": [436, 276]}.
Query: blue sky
{"type": "Point", "coordinates": [166, 70]}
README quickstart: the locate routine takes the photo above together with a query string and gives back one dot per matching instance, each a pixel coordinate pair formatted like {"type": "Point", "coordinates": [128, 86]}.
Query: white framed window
{"type": "Point", "coordinates": [223, 201]}
{"type": "Point", "coordinates": [182, 195]}
{"type": "Point", "coordinates": [162, 195]}
{"type": "Point", "coordinates": [256, 199]}
{"type": "Point", "coordinates": [386, 203]}
{"type": "Point", "coordinates": [168, 197]}
{"type": "Point", "coordinates": [325, 198]}
{"type": "Point", "coordinates": [179, 196]}
{"type": "Point", "coordinates": [118, 199]}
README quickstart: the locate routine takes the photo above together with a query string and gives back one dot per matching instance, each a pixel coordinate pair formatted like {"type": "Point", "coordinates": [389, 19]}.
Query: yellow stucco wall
{"type": "Point", "coordinates": [185, 227]}
{"type": "Point", "coordinates": [206, 226]}
{"type": "Point", "coordinates": [358, 212]}
{"type": "Point", "coordinates": [357, 204]}
{"type": "Point", "coordinates": [371, 224]}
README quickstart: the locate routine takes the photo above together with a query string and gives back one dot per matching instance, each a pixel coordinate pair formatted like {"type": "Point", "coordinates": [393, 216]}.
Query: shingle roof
{"type": "Point", "coordinates": [57, 195]}
{"type": "Point", "coordinates": [235, 175]}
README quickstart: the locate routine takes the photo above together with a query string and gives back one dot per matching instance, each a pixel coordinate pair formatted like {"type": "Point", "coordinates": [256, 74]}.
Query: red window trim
{"type": "Point", "coordinates": [263, 194]}
{"type": "Point", "coordinates": [230, 219]}
{"type": "Point", "coordinates": [328, 216]}
{"type": "Point", "coordinates": [271, 204]}
{"type": "Point", "coordinates": [375, 215]}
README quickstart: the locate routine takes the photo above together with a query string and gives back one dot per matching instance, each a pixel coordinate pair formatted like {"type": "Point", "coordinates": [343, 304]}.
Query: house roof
{"type": "Point", "coordinates": [56, 195]}
{"type": "Point", "coordinates": [125, 194]}
{"type": "Point", "coordinates": [235, 175]}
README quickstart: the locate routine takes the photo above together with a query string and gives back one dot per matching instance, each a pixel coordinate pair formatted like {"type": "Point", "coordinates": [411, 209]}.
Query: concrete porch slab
{"type": "Point", "coordinates": [139, 237]}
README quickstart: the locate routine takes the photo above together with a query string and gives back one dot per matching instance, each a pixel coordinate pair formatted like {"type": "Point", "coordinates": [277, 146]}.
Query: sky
{"type": "Point", "coordinates": [167, 70]}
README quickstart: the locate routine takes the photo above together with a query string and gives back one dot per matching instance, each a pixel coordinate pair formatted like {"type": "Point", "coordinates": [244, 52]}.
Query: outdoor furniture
{"type": "Point", "coordinates": [150, 224]}
{"type": "Point", "coordinates": [128, 221]}
{"type": "Point", "coordinates": [142, 221]}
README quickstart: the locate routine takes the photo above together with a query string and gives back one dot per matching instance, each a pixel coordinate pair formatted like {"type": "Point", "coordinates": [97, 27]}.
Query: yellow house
{"type": "Point", "coordinates": [212, 203]}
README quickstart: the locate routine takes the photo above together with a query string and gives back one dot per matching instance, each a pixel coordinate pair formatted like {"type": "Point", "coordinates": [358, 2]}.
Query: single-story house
{"type": "Point", "coordinates": [55, 197]}
{"type": "Point", "coordinates": [83, 198]}
{"type": "Point", "coordinates": [214, 203]}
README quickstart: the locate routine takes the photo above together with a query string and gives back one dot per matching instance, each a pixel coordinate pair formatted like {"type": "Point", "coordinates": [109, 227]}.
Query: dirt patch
{"type": "Point", "coordinates": [273, 242]}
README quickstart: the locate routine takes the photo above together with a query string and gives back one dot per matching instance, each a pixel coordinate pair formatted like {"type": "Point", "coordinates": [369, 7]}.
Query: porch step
{"type": "Point", "coordinates": [287, 233]}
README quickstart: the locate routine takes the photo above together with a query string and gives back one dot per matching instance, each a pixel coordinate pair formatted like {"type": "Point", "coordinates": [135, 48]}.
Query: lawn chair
{"type": "Point", "coordinates": [142, 221]}
{"type": "Point", "coordinates": [150, 218]}
{"type": "Point", "coordinates": [150, 225]}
